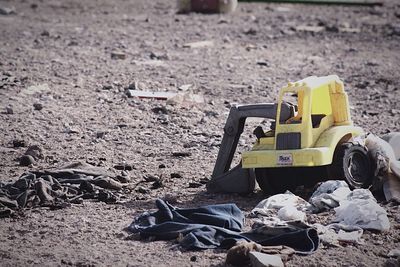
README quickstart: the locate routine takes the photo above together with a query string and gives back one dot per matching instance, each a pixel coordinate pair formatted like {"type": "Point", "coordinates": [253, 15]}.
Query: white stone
{"type": "Point", "coordinates": [259, 259]}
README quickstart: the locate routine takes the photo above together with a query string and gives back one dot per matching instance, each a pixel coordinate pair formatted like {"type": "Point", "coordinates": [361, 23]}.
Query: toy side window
{"type": "Point", "coordinates": [293, 99]}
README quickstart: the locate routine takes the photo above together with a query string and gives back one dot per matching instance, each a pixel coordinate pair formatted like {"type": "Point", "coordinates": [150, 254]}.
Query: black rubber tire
{"type": "Point", "coordinates": [352, 163]}
{"type": "Point", "coordinates": [278, 180]}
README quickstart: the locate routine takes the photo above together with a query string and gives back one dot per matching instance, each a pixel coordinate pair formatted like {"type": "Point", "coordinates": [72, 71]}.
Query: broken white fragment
{"type": "Point", "coordinates": [259, 259]}
{"type": "Point", "coordinates": [185, 87]}
{"type": "Point", "coordinates": [152, 62]}
{"type": "Point", "coordinates": [199, 44]}
{"type": "Point", "coordinates": [305, 28]}
{"type": "Point", "coordinates": [185, 100]}
{"type": "Point", "coordinates": [40, 88]}
{"type": "Point", "coordinates": [148, 94]}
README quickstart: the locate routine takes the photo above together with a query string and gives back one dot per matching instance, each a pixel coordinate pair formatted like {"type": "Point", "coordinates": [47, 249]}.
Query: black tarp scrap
{"type": "Point", "coordinates": [58, 188]}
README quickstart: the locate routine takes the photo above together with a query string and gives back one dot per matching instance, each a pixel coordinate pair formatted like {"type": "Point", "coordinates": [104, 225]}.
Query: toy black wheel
{"type": "Point", "coordinates": [278, 180]}
{"type": "Point", "coordinates": [351, 162]}
{"type": "Point", "coordinates": [273, 183]}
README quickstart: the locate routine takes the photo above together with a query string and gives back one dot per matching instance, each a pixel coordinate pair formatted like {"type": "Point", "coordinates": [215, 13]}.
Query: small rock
{"type": "Point", "coordinates": [160, 110]}
{"type": "Point", "coordinates": [118, 55]}
{"type": "Point", "coordinates": [45, 33]}
{"type": "Point", "coordinates": [26, 160]}
{"type": "Point", "coordinates": [194, 185]}
{"type": "Point", "coordinates": [263, 63]}
{"type": "Point", "coordinates": [157, 184]}
{"type": "Point", "coordinates": [38, 106]}
{"type": "Point", "coordinates": [7, 11]}
{"type": "Point", "coordinates": [9, 110]}
{"type": "Point", "coordinates": [259, 259]}
{"type": "Point", "coordinates": [150, 178]}
{"type": "Point", "coordinates": [71, 130]}
{"type": "Point", "coordinates": [124, 179]}
{"type": "Point", "coordinates": [35, 151]}
{"type": "Point", "coordinates": [162, 166]}
{"type": "Point", "coordinates": [332, 28]}
{"type": "Point", "coordinates": [158, 56]}
{"type": "Point", "coordinates": [142, 190]}
{"type": "Point", "coordinates": [185, 87]}
{"type": "Point", "coordinates": [394, 253]}
{"type": "Point", "coordinates": [101, 134]}
{"type": "Point", "coordinates": [176, 175]}
{"type": "Point", "coordinates": [19, 143]}
{"type": "Point", "coordinates": [193, 258]}
{"type": "Point", "coordinates": [181, 154]}
{"type": "Point", "coordinates": [34, 5]}
{"type": "Point", "coordinates": [107, 87]}
{"type": "Point", "coordinates": [251, 31]}
{"type": "Point", "coordinates": [124, 167]}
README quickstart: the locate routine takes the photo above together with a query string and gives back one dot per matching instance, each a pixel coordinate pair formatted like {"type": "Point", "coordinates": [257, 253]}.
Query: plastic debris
{"type": "Point", "coordinates": [290, 213]}
{"type": "Point", "coordinates": [276, 202]}
{"type": "Point", "coordinates": [360, 209]}
{"type": "Point", "coordinates": [186, 100]}
{"type": "Point", "coordinates": [387, 170]}
{"type": "Point", "coordinates": [329, 194]}
{"type": "Point", "coordinates": [337, 234]}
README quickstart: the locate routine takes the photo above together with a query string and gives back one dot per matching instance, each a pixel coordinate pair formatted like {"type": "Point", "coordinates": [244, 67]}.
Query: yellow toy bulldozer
{"type": "Point", "coordinates": [309, 141]}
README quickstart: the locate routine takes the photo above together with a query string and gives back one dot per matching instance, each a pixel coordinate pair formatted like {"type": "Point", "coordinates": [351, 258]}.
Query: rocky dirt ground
{"type": "Point", "coordinates": [62, 87]}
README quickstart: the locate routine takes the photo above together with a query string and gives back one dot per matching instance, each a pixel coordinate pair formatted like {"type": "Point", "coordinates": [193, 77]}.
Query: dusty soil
{"type": "Point", "coordinates": [65, 47]}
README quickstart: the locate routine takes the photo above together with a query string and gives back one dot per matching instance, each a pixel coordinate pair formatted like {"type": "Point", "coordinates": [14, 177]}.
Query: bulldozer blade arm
{"type": "Point", "coordinates": [236, 180]}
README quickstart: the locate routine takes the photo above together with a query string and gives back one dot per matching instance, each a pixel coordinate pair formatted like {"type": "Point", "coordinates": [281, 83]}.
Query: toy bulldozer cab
{"type": "Point", "coordinates": [308, 142]}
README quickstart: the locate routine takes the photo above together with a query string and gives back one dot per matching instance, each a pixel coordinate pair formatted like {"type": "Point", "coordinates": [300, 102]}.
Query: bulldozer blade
{"type": "Point", "coordinates": [236, 180]}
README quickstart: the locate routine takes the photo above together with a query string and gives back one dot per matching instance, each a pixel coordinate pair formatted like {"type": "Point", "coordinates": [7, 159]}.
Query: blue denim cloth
{"type": "Point", "coordinates": [213, 226]}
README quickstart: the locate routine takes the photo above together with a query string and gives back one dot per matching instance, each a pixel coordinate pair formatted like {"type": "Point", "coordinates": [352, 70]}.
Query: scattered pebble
{"type": "Point", "coordinates": [181, 154]}
{"type": "Point", "coordinates": [199, 44]}
{"type": "Point", "coordinates": [124, 166]}
{"type": "Point", "coordinates": [123, 179]}
{"type": "Point", "coordinates": [38, 106]}
{"type": "Point", "coordinates": [118, 55]}
{"type": "Point", "coordinates": [194, 184]}
{"type": "Point", "coordinates": [142, 190]}
{"type": "Point", "coordinates": [176, 175]}
{"type": "Point", "coordinates": [7, 11]}
{"type": "Point", "coordinates": [101, 134]}
{"type": "Point", "coordinates": [19, 143]}
{"type": "Point", "coordinates": [394, 253]}
{"type": "Point", "coordinates": [9, 110]}
{"type": "Point", "coordinates": [26, 160]}
{"type": "Point", "coordinates": [157, 184]}
{"type": "Point", "coordinates": [35, 151]}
